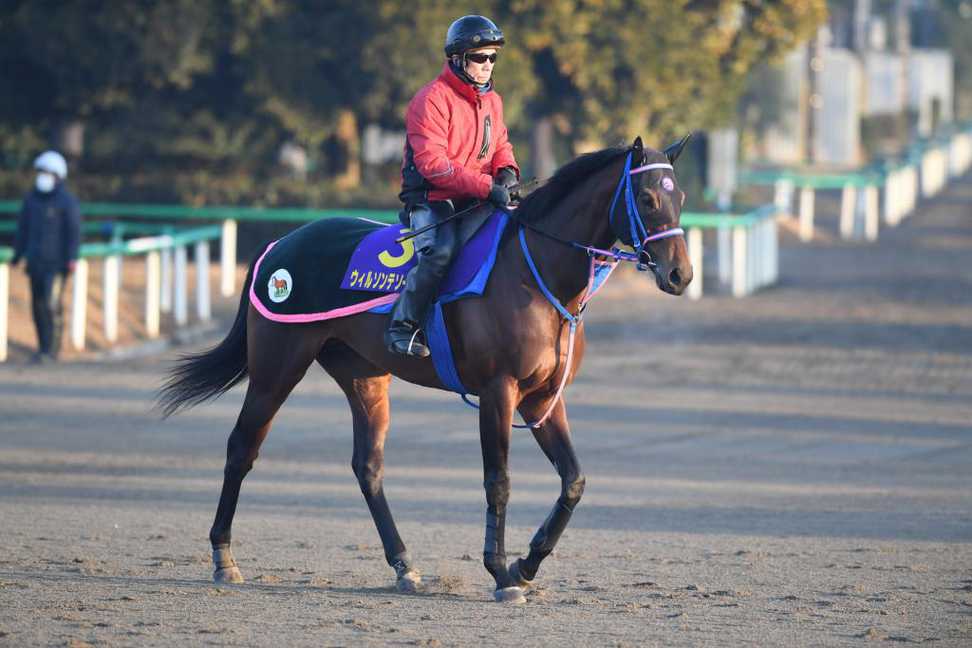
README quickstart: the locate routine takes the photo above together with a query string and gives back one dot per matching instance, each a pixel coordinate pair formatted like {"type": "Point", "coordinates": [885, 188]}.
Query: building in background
{"type": "Point", "coordinates": [870, 80]}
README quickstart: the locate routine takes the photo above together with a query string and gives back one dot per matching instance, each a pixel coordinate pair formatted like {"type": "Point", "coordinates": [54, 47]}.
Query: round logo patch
{"type": "Point", "coordinates": [279, 286]}
{"type": "Point", "coordinates": [668, 184]}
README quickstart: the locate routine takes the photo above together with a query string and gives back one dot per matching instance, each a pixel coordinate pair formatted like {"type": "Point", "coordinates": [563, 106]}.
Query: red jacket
{"type": "Point", "coordinates": [455, 141]}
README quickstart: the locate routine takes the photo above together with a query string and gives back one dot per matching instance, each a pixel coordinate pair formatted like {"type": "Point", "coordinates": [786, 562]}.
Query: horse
{"type": "Point", "coordinates": [516, 347]}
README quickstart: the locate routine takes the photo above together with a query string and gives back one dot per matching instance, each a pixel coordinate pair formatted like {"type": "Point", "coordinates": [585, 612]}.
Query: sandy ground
{"type": "Point", "coordinates": [793, 468]}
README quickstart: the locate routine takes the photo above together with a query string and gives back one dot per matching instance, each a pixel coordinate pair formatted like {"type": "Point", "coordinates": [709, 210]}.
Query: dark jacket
{"type": "Point", "coordinates": [49, 230]}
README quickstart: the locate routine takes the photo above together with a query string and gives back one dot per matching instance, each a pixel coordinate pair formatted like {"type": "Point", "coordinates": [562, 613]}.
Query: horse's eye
{"type": "Point", "coordinates": [650, 200]}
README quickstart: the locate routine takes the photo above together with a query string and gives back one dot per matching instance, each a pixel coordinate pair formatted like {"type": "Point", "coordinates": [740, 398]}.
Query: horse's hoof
{"type": "Point", "coordinates": [228, 576]}
{"type": "Point", "coordinates": [408, 582]}
{"type": "Point", "coordinates": [509, 595]}
{"type": "Point", "coordinates": [226, 570]}
{"type": "Point", "coordinates": [518, 576]}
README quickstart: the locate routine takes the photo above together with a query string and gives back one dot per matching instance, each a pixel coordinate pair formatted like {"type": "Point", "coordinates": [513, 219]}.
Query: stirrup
{"type": "Point", "coordinates": [414, 347]}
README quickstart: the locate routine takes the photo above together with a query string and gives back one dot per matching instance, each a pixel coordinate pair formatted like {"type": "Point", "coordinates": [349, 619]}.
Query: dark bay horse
{"type": "Point", "coordinates": [515, 347]}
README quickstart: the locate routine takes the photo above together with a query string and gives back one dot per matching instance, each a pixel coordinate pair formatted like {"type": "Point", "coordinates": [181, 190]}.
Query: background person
{"type": "Point", "coordinates": [48, 237]}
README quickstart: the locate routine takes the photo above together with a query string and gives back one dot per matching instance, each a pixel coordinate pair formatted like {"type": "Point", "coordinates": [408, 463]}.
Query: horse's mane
{"type": "Point", "coordinates": [567, 177]}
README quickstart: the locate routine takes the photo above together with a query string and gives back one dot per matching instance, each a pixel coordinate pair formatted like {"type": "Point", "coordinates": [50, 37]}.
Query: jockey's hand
{"type": "Point", "coordinates": [499, 196]}
{"type": "Point", "coordinates": [507, 177]}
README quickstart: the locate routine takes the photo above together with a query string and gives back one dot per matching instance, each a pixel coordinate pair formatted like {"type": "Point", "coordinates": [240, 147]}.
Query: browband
{"type": "Point", "coordinates": [649, 167]}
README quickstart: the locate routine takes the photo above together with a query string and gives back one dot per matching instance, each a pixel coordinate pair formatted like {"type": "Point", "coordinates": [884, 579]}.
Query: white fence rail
{"type": "Point", "coordinates": [746, 246]}
{"type": "Point", "coordinates": [870, 198]}
{"type": "Point", "coordinates": [164, 285]}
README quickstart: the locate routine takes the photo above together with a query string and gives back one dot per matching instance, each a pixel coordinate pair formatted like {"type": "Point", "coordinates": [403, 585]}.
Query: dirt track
{"type": "Point", "coordinates": [794, 468]}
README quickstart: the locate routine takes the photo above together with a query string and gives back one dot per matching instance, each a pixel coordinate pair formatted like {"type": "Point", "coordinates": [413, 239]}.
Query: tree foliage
{"type": "Point", "coordinates": [196, 97]}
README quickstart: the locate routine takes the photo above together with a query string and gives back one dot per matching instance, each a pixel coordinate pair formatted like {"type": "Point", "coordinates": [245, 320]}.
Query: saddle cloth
{"type": "Point", "coordinates": [341, 266]}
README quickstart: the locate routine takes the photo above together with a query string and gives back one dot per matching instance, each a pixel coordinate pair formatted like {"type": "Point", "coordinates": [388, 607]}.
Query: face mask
{"type": "Point", "coordinates": [45, 182]}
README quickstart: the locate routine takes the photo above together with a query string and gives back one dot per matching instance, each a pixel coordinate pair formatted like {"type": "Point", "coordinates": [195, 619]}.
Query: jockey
{"type": "Point", "coordinates": [456, 153]}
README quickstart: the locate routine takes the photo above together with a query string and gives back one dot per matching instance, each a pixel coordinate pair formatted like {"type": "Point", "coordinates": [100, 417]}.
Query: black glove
{"type": "Point", "coordinates": [499, 196]}
{"type": "Point", "coordinates": [506, 177]}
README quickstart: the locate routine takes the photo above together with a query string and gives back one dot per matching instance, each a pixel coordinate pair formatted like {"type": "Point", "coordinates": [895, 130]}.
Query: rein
{"type": "Point", "coordinates": [640, 235]}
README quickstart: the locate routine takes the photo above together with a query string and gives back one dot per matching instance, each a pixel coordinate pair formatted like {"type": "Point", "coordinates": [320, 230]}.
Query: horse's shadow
{"type": "Point", "coordinates": [432, 587]}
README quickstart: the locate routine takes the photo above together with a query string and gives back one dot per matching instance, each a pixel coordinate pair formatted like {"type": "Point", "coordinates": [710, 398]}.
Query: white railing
{"type": "Point", "coordinates": [166, 288]}
{"type": "Point", "coordinates": [746, 246]}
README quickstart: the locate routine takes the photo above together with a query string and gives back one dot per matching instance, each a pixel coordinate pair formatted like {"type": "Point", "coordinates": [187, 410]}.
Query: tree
{"type": "Point", "coordinates": [613, 68]}
{"type": "Point", "coordinates": [57, 77]}
{"type": "Point", "coordinates": [195, 98]}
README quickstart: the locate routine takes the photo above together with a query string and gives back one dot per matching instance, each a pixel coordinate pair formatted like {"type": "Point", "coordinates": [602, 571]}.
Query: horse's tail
{"type": "Point", "coordinates": [198, 377]}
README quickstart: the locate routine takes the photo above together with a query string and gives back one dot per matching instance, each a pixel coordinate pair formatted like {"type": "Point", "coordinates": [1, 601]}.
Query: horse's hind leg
{"type": "Point", "coordinates": [276, 366]}
{"type": "Point", "coordinates": [554, 439]}
{"type": "Point", "coordinates": [242, 448]}
{"type": "Point", "coordinates": [366, 387]}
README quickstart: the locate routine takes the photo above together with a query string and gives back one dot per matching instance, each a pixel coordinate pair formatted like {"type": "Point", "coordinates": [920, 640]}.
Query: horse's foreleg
{"type": "Point", "coordinates": [366, 388]}
{"type": "Point", "coordinates": [495, 419]}
{"type": "Point", "coordinates": [554, 439]}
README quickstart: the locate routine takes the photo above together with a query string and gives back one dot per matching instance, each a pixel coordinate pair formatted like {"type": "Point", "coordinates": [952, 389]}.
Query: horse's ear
{"type": "Point", "coordinates": [673, 151]}
{"type": "Point", "coordinates": [637, 147]}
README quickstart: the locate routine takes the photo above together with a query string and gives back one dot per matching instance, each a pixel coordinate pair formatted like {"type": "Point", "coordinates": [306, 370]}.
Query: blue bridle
{"type": "Point", "coordinates": [639, 233]}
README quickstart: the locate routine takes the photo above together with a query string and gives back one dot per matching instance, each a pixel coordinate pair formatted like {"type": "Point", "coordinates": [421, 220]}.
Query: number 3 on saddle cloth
{"type": "Point", "coordinates": [341, 266]}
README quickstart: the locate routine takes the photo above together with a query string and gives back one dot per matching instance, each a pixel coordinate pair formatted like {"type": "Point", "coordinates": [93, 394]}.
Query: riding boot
{"type": "Point", "coordinates": [436, 250]}
{"type": "Point", "coordinates": [404, 334]}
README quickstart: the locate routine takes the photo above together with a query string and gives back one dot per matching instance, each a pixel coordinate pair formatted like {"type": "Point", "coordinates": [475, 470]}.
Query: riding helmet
{"type": "Point", "coordinates": [470, 32]}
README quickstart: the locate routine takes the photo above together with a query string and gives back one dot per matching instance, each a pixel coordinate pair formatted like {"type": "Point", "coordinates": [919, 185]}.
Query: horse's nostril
{"type": "Point", "coordinates": [675, 277]}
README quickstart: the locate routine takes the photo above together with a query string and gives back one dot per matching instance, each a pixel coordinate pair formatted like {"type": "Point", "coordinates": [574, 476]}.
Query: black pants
{"type": "Point", "coordinates": [47, 302]}
{"type": "Point", "coordinates": [436, 249]}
